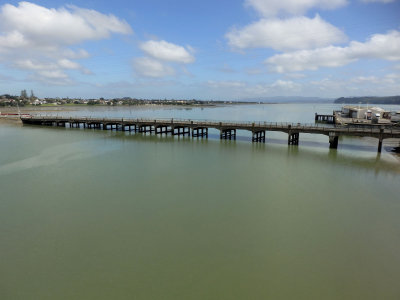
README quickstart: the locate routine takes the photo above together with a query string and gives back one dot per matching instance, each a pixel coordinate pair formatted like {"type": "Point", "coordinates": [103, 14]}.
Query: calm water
{"type": "Point", "coordinates": [88, 214]}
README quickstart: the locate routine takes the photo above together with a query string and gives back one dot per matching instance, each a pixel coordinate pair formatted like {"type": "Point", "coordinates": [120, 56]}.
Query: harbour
{"type": "Point", "coordinates": [200, 150]}
{"type": "Point", "coordinates": [112, 213]}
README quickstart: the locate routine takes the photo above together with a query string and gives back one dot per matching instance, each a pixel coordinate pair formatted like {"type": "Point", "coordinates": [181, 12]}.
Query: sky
{"type": "Point", "coordinates": [186, 49]}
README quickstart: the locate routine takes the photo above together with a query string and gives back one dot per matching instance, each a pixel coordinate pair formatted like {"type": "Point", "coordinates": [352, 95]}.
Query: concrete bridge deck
{"type": "Point", "coordinates": [227, 129]}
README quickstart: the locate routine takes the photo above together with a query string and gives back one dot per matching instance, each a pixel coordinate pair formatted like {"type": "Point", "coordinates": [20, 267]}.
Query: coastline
{"type": "Point", "coordinates": [14, 120]}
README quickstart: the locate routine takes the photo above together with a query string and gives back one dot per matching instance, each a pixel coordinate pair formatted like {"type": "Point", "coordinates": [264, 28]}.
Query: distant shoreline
{"type": "Point", "coordinates": [393, 100]}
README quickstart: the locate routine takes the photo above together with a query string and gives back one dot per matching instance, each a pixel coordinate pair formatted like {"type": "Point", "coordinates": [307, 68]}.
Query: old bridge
{"type": "Point", "coordinates": [227, 129]}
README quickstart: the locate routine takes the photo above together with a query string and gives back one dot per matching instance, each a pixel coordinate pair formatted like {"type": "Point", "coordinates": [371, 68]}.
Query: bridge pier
{"type": "Point", "coordinates": [381, 131]}
{"type": "Point", "coordinates": [93, 125]}
{"type": "Point", "coordinates": [200, 132]}
{"type": "Point", "coordinates": [226, 134]}
{"type": "Point", "coordinates": [112, 126]}
{"type": "Point", "coordinates": [160, 129]}
{"type": "Point", "coordinates": [333, 140]}
{"type": "Point", "coordinates": [146, 128]}
{"type": "Point", "coordinates": [129, 127]}
{"type": "Point", "coordinates": [293, 138]}
{"type": "Point", "coordinates": [180, 130]}
{"type": "Point", "coordinates": [380, 145]}
{"type": "Point", "coordinates": [258, 136]}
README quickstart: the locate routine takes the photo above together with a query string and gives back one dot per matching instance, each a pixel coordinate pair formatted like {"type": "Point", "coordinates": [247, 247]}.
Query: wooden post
{"type": "Point", "coordinates": [333, 140]}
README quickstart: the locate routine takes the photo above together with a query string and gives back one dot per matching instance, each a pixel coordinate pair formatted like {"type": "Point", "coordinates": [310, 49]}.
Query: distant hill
{"type": "Point", "coordinates": [289, 99]}
{"type": "Point", "coordinates": [369, 100]}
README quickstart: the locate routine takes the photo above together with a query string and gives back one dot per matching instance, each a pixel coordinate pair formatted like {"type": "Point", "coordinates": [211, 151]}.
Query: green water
{"type": "Point", "coordinates": [88, 214]}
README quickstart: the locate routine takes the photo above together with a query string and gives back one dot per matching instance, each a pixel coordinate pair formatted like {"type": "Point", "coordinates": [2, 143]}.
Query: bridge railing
{"type": "Point", "coordinates": [175, 121]}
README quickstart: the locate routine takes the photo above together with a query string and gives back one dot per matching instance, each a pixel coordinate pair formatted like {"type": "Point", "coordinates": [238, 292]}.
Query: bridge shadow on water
{"type": "Point", "coordinates": [316, 150]}
{"type": "Point", "coordinates": [215, 137]}
{"type": "Point", "coordinates": [307, 149]}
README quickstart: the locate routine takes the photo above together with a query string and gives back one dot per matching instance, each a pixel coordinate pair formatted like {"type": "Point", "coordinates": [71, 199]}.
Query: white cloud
{"type": "Point", "coordinates": [379, 46]}
{"type": "Point", "coordinates": [40, 26]}
{"type": "Point", "coordinates": [159, 57]}
{"type": "Point", "coordinates": [387, 85]}
{"type": "Point", "coordinates": [309, 59]}
{"type": "Point", "coordinates": [225, 84]}
{"type": "Point", "coordinates": [295, 75]}
{"type": "Point", "coordinates": [245, 89]}
{"type": "Point", "coordinates": [378, 1]}
{"type": "Point", "coordinates": [363, 79]}
{"type": "Point", "coordinates": [78, 54]}
{"type": "Point", "coordinates": [68, 64]}
{"type": "Point", "coordinates": [393, 78]}
{"type": "Point", "coordinates": [150, 67]}
{"type": "Point", "coordinates": [298, 33]}
{"type": "Point", "coordinates": [166, 51]}
{"type": "Point", "coordinates": [226, 68]}
{"type": "Point", "coordinates": [270, 8]}
{"type": "Point", "coordinates": [334, 87]}
{"type": "Point", "coordinates": [53, 74]}
{"type": "Point", "coordinates": [285, 84]}
{"type": "Point", "coordinates": [254, 71]}
{"type": "Point", "coordinates": [36, 38]}
{"type": "Point", "coordinates": [28, 64]}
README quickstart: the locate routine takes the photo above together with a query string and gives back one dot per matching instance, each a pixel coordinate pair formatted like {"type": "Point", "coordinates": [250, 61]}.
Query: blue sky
{"type": "Point", "coordinates": [201, 49]}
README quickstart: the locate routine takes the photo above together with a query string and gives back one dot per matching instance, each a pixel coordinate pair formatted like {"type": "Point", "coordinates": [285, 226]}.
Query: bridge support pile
{"type": "Point", "coordinates": [293, 138]}
{"type": "Point", "coordinates": [146, 128]}
{"type": "Point", "coordinates": [258, 137]}
{"type": "Point", "coordinates": [93, 125]}
{"type": "Point", "coordinates": [333, 140]}
{"type": "Point", "coordinates": [228, 134]}
{"type": "Point", "coordinates": [163, 129]}
{"type": "Point", "coordinates": [130, 126]}
{"type": "Point", "coordinates": [181, 130]}
{"type": "Point", "coordinates": [200, 132]}
{"type": "Point", "coordinates": [113, 126]}
{"type": "Point", "coordinates": [380, 140]}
